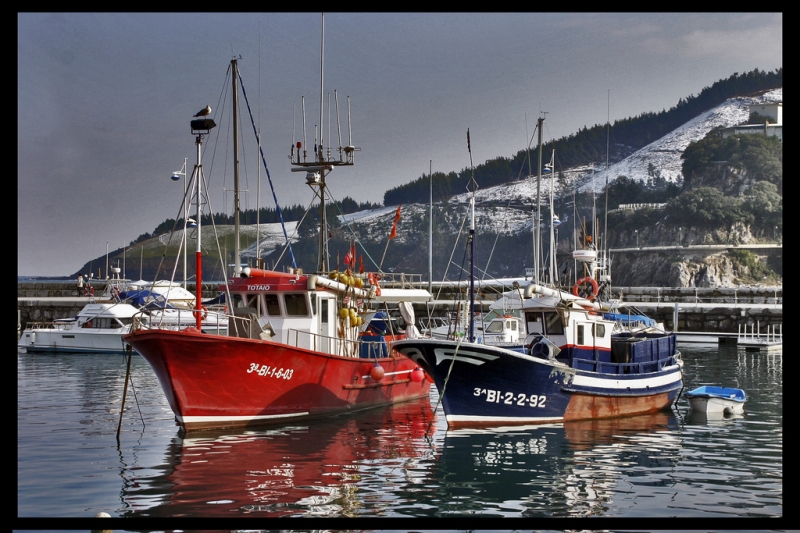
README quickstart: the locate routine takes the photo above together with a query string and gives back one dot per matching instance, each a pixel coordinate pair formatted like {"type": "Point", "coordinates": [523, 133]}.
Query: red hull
{"type": "Point", "coordinates": [225, 382]}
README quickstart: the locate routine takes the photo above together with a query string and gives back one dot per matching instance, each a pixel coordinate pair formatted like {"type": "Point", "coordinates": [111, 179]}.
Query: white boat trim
{"type": "Point", "coordinates": [494, 419]}
{"type": "Point", "coordinates": [205, 419]}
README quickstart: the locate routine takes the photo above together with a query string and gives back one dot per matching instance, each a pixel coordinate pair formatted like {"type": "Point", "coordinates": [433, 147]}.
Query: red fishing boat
{"type": "Point", "coordinates": [298, 346]}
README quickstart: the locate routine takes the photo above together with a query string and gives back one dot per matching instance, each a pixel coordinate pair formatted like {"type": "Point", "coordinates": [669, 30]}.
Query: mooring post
{"type": "Point", "coordinates": [124, 391]}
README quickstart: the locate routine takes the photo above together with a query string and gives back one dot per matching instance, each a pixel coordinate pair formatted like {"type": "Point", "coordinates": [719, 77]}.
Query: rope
{"type": "Point", "coordinates": [446, 379]}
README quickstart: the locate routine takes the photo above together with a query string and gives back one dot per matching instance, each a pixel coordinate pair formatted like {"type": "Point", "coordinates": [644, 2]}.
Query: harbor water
{"type": "Point", "coordinates": [399, 461]}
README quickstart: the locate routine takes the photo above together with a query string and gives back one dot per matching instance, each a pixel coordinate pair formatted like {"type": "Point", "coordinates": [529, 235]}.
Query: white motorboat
{"type": "Point", "coordinates": [97, 328]}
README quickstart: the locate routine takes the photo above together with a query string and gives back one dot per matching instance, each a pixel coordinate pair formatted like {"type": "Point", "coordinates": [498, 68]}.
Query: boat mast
{"type": "Point", "coordinates": [323, 228]}
{"type": "Point", "coordinates": [552, 216]}
{"type": "Point", "coordinates": [320, 167]}
{"type": "Point", "coordinates": [430, 231]}
{"type": "Point", "coordinates": [237, 268]}
{"type": "Point", "coordinates": [473, 187]}
{"type": "Point", "coordinates": [537, 229]}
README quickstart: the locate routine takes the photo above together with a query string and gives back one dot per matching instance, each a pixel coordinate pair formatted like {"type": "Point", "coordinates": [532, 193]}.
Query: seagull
{"type": "Point", "coordinates": [204, 112]}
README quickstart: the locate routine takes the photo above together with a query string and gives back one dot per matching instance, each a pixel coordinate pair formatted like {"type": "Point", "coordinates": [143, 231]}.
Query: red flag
{"type": "Point", "coordinates": [361, 264]}
{"type": "Point", "coordinates": [396, 220]}
{"type": "Point", "coordinates": [353, 256]}
{"type": "Point", "coordinates": [348, 258]}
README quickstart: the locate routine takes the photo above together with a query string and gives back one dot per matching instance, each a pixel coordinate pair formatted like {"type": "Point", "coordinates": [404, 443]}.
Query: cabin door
{"type": "Point", "coordinates": [325, 323]}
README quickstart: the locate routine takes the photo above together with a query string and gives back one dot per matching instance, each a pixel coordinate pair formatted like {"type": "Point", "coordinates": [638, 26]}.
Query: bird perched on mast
{"type": "Point", "coordinates": [204, 112]}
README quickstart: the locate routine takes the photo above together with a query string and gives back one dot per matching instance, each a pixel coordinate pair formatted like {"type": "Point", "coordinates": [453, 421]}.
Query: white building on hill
{"type": "Point", "coordinates": [772, 110]}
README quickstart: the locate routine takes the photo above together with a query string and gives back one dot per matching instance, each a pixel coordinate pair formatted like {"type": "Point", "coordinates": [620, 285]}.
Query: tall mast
{"type": "Point", "coordinates": [317, 170]}
{"type": "Point", "coordinates": [323, 229]}
{"type": "Point", "coordinates": [537, 229]}
{"type": "Point", "coordinates": [552, 229]}
{"type": "Point", "coordinates": [473, 187]}
{"type": "Point", "coordinates": [237, 251]}
{"type": "Point", "coordinates": [430, 231]}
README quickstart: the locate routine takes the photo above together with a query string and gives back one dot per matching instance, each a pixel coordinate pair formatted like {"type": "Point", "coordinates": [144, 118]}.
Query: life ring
{"type": "Point", "coordinates": [89, 291]}
{"type": "Point", "coordinates": [115, 292]}
{"type": "Point", "coordinates": [203, 310]}
{"type": "Point", "coordinates": [579, 289]}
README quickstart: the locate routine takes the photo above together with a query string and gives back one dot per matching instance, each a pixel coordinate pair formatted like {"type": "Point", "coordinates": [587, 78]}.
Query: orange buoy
{"type": "Point", "coordinates": [417, 375]}
{"type": "Point", "coordinates": [377, 372]}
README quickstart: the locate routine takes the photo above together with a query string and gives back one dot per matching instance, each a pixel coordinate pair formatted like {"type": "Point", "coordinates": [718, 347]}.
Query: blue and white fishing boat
{"type": "Point", "coordinates": [574, 368]}
{"type": "Point", "coordinates": [575, 364]}
{"type": "Point", "coordinates": [713, 399]}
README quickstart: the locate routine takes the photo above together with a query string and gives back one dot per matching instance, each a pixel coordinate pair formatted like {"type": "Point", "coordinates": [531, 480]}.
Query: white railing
{"type": "Point", "coordinates": [774, 334]}
{"type": "Point", "coordinates": [336, 345]}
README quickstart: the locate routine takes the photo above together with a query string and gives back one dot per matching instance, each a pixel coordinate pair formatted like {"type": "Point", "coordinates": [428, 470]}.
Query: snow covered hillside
{"type": "Point", "coordinates": [664, 154]}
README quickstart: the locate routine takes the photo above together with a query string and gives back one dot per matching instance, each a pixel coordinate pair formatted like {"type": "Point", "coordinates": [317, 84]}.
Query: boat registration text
{"type": "Point", "coordinates": [510, 398]}
{"type": "Point", "coordinates": [265, 370]}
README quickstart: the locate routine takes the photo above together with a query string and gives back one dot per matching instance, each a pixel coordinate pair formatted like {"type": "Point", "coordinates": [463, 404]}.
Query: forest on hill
{"type": "Point", "coordinates": [588, 145]}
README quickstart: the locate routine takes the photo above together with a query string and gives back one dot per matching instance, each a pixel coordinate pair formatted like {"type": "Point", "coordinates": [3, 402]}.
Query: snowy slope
{"type": "Point", "coordinates": [508, 215]}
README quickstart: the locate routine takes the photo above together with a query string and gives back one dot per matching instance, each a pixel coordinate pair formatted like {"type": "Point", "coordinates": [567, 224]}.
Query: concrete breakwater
{"type": "Point", "coordinates": [46, 301]}
{"type": "Point", "coordinates": [709, 310]}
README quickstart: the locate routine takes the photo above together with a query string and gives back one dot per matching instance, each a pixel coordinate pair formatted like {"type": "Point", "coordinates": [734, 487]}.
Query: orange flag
{"type": "Point", "coordinates": [396, 220]}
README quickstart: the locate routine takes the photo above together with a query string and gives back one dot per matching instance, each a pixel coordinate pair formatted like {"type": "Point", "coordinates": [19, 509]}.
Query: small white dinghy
{"type": "Point", "coordinates": [712, 399]}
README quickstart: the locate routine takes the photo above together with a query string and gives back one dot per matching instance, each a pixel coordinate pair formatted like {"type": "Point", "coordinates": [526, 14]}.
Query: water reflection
{"type": "Point", "coordinates": [560, 470]}
{"type": "Point", "coordinates": [395, 462]}
{"type": "Point", "coordinates": [313, 469]}
{"type": "Point", "coordinates": [386, 462]}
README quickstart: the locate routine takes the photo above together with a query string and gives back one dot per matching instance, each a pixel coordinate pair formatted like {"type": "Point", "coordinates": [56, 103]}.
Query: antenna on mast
{"type": "Point", "coordinates": [321, 165]}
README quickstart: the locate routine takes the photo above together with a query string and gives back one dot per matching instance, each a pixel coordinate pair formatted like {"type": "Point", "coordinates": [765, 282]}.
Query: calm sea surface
{"type": "Point", "coordinates": [393, 462]}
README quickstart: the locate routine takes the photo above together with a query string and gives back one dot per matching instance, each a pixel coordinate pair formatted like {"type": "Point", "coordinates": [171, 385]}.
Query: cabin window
{"type": "Point", "coordinates": [273, 308]}
{"type": "Point", "coordinates": [323, 309]}
{"type": "Point", "coordinates": [239, 301]}
{"type": "Point", "coordinates": [496, 326]}
{"type": "Point", "coordinates": [553, 324]}
{"type": "Point", "coordinates": [534, 320]}
{"type": "Point", "coordinates": [513, 325]}
{"type": "Point", "coordinates": [599, 331]}
{"type": "Point", "coordinates": [580, 335]}
{"type": "Point", "coordinates": [296, 305]}
{"type": "Point", "coordinates": [126, 321]}
{"type": "Point", "coordinates": [99, 323]}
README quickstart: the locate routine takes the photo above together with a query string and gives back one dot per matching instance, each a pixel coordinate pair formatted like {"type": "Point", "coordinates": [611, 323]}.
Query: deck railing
{"type": "Point", "coordinates": [337, 345]}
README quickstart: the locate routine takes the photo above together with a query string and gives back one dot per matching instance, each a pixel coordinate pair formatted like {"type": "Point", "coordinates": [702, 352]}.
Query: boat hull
{"type": "Point", "coordinates": [714, 400]}
{"type": "Point", "coordinates": [72, 341]}
{"type": "Point", "coordinates": [215, 382]}
{"type": "Point", "coordinates": [489, 386]}
{"type": "Point", "coordinates": [716, 405]}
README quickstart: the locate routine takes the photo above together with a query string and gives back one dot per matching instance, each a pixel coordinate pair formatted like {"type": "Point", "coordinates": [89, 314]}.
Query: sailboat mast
{"type": "Point", "coordinates": [537, 229]}
{"type": "Point", "coordinates": [473, 187]}
{"type": "Point", "coordinates": [552, 216]}
{"type": "Point", "coordinates": [323, 228]}
{"type": "Point", "coordinates": [237, 251]}
{"type": "Point", "coordinates": [430, 231]}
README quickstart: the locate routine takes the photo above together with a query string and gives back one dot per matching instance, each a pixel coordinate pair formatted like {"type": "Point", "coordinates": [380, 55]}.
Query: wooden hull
{"type": "Point", "coordinates": [216, 382]}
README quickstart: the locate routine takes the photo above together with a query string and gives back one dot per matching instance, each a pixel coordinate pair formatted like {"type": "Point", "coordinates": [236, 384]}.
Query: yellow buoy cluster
{"type": "Point", "coordinates": [348, 315]}
{"type": "Point", "coordinates": [347, 278]}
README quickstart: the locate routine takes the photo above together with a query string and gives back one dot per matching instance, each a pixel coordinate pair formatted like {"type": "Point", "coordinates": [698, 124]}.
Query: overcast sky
{"type": "Point", "coordinates": [104, 101]}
